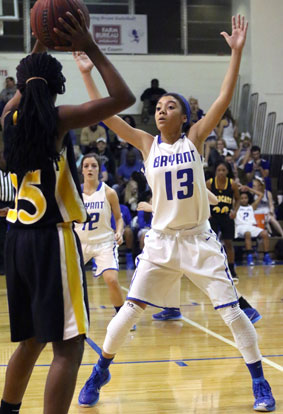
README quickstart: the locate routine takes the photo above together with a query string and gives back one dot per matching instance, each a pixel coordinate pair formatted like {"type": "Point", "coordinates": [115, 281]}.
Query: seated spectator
{"type": "Point", "coordinates": [246, 227]}
{"type": "Point", "coordinates": [150, 98]}
{"type": "Point", "coordinates": [120, 147]}
{"type": "Point", "coordinates": [131, 196]}
{"type": "Point", "coordinates": [215, 151]}
{"type": "Point", "coordinates": [89, 136]}
{"type": "Point", "coordinates": [126, 169]}
{"type": "Point", "coordinates": [128, 235]}
{"type": "Point", "coordinates": [196, 112]}
{"type": "Point", "coordinates": [8, 92]}
{"type": "Point", "coordinates": [222, 148]}
{"type": "Point", "coordinates": [106, 158]}
{"type": "Point", "coordinates": [233, 170]}
{"type": "Point", "coordinates": [228, 130]}
{"type": "Point", "coordinates": [266, 206]}
{"type": "Point", "coordinates": [257, 167]}
{"type": "Point", "coordinates": [243, 155]}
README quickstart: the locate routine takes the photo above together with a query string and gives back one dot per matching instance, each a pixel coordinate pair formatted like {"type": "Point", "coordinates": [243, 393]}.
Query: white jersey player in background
{"type": "Point", "coordinates": [180, 241]}
{"type": "Point", "coordinates": [97, 238]}
{"type": "Point", "coordinates": [246, 225]}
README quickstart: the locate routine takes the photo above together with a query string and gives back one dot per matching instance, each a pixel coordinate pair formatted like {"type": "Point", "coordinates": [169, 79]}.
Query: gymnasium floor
{"type": "Point", "coordinates": [189, 366]}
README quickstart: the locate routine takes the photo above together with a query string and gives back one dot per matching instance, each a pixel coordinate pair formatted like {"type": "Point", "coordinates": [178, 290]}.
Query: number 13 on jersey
{"type": "Point", "coordinates": [185, 179]}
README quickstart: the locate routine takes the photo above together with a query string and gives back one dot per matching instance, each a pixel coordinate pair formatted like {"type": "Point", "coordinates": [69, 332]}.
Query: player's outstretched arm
{"type": "Point", "coordinates": [135, 137]}
{"type": "Point", "coordinates": [236, 41]}
{"type": "Point", "coordinates": [120, 96]}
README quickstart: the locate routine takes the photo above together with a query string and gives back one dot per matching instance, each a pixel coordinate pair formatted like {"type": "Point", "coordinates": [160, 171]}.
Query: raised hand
{"type": "Point", "coordinates": [83, 62]}
{"type": "Point", "coordinates": [239, 32]}
{"type": "Point", "coordinates": [77, 35]}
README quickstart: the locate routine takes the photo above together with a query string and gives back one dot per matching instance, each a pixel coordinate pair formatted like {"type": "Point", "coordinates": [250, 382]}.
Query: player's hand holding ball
{"type": "Point", "coordinates": [62, 24]}
{"type": "Point", "coordinates": [77, 35]}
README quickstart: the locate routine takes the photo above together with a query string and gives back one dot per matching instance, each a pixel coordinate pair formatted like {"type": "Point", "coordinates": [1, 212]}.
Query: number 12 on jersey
{"type": "Point", "coordinates": [188, 176]}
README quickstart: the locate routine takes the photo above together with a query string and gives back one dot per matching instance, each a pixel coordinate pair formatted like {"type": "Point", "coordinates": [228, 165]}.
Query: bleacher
{"type": "Point", "coordinates": [255, 119]}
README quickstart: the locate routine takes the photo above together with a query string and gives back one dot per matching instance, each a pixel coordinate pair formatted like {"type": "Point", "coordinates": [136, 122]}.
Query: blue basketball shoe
{"type": "Point", "coordinates": [252, 314]}
{"type": "Point", "coordinates": [89, 394]}
{"type": "Point", "coordinates": [267, 260]}
{"type": "Point", "coordinates": [250, 260]}
{"type": "Point", "coordinates": [168, 314]}
{"type": "Point", "coordinates": [264, 400]}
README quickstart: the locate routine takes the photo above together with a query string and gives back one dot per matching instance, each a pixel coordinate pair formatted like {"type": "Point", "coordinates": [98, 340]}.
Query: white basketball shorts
{"type": "Point", "coordinates": [242, 229]}
{"type": "Point", "coordinates": [166, 257]}
{"type": "Point", "coordinates": [105, 255]}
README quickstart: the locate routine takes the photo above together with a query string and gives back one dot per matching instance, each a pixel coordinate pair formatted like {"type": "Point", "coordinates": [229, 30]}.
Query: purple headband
{"type": "Point", "coordinates": [187, 106]}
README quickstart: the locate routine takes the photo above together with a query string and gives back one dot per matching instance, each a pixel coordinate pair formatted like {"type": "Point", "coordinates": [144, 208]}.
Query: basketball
{"type": "Point", "coordinates": [44, 17]}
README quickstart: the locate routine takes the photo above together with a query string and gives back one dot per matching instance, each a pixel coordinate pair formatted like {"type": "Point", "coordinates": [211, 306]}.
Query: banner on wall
{"type": "Point", "coordinates": [120, 33]}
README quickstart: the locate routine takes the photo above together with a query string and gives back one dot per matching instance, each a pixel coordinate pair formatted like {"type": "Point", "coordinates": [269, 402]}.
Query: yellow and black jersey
{"type": "Point", "coordinates": [224, 197]}
{"type": "Point", "coordinates": [48, 196]}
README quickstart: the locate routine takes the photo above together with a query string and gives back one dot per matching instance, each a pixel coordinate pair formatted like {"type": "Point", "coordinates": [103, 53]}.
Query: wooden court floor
{"type": "Point", "coordinates": [189, 366]}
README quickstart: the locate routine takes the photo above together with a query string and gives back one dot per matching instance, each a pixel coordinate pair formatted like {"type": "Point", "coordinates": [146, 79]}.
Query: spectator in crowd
{"type": "Point", "coordinates": [222, 148]}
{"type": "Point", "coordinates": [107, 159]}
{"type": "Point", "coordinates": [266, 206]}
{"type": "Point", "coordinates": [196, 112]}
{"type": "Point", "coordinates": [90, 135]}
{"type": "Point", "coordinates": [120, 147]}
{"type": "Point", "coordinates": [257, 167]}
{"type": "Point", "coordinates": [131, 196]}
{"type": "Point", "coordinates": [228, 130]}
{"type": "Point", "coordinates": [8, 92]}
{"type": "Point", "coordinates": [126, 169]}
{"type": "Point", "coordinates": [246, 227]}
{"type": "Point", "coordinates": [150, 97]}
{"type": "Point", "coordinates": [233, 170]}
{"type": "Point", "coordinates": [242, 156]}
{"type": "Point", "coordinates": [223, 214]}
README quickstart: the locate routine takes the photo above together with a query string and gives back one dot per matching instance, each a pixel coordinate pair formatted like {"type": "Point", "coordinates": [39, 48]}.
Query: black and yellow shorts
{"type": "Point", "coordinates": [46, 283]}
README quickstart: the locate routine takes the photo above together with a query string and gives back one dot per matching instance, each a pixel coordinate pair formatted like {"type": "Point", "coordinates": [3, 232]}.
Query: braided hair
{"type": "Point", "coordinates": [34, 141]}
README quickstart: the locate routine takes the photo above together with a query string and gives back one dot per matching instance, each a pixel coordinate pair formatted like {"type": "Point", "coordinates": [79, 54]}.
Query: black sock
{"type": "Point", "coordinates": [232, 269]}
{"type": "Point", "coordinates": [7, 408]}
{"type": "Point", "coordinates": [243, 303]}
{"type": "Point", "coordinates": [117, 308]}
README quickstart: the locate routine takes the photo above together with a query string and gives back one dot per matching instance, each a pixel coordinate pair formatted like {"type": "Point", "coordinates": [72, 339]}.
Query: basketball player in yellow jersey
{"type": "Point", "coordinates": [45, 278]}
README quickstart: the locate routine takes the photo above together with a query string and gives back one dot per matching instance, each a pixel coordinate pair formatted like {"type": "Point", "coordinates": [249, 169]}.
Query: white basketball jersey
{"type": "Point", "coordinates": [245, 215]}
{"type": "Point", "coordinates": [98, 229]}
{"type": "Point", "coordinates": [175, 175]}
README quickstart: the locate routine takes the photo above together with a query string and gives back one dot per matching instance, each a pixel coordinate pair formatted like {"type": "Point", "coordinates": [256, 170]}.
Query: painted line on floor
{"type": "Point", "coordinates": [227, 341]}
{"type": "Point", "coordinates": [223, 339]}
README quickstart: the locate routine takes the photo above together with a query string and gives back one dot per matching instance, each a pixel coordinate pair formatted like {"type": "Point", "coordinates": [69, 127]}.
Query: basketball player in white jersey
{"type": "Point", "coordinates": [246, 227]}
{"type": "Point", "coordinates": [180, 241]}
{"type": "Point", "coordinates": [97, 238]}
